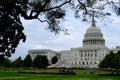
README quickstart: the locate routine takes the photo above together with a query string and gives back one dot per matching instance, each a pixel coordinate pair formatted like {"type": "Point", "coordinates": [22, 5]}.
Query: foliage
{"type": "Point", "coordinates": [44, 62]}
{"type": "Point", "coordinates": [18, 62]}
{"type": "Point", "coordinates": [116, 61]}
{"type": "Point", "coordinates": [36, 61]}
{"type": "Point", "coordinates": [11, 29]}
{"type": "Point", "coordinates": [98, 8]}
{"type": "Point", "coordinates": [28, 61]}
{"type": "Point", "coordinates": [40, 62]}
{"type": "Point", "coordinates": [2, 59]}
{"type": "Point", "coordinates": [107, 61]}
{"type": "Point", "coordinates": [7, 63]}
{"type": "Point", "coordinates": [54, 60]}
{"type": "Point", "coordinates": [111, 60]}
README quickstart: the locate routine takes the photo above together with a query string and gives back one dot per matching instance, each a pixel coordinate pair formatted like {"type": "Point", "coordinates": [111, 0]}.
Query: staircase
{"type": "Point", "coordinates": [58, 64]}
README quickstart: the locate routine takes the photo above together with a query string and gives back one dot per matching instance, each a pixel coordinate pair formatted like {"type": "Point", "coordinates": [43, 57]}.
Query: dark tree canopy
{"type": "Point", "coordinates": [40, 62]}
{"type": "Point", "coordinates": [27, 61]}
{"type": "Point", "coordinates": [107, 61]}
{"type": "Point", "coordinates": [18, 62]}
{"type": "Point", "coordinates": [50, 11]}
{"type": "Point", "coordinates": [2, 59]}
{"type": "Point", "coordinates": [7, 63]}
{"type": "Point", "coordinates": [116, 61]}
{"type": "Point", "coordinates": [54, 60]}
{"type": "Point", "coordinates": [112, 60]}
{"type": "Point", "coordinates": [36, 61]}
{"type": "Point", "coordinates": [44, 62]}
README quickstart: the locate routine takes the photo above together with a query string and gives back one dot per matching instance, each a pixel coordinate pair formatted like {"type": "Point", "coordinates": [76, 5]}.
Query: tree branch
{"type": "Point", "coordinates": [83, 6]}
{"type": "Point", "coordinates": [42, 20]}
{"type": "Point", "coordinates": [57, 6]}
{"type": "Point", "coordinates": [24, 13]}
{"type": "Point", "coordinates": [45, 4]}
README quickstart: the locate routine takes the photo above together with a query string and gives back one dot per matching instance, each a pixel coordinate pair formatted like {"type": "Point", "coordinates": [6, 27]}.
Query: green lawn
{"type": "Point", "coordinates": [80, 75]}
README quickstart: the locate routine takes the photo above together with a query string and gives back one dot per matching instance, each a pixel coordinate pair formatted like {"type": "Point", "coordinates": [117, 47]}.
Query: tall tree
{"type": "Point", "coordinates": [50, 11]}
{"type": "Point", "coordinates": [36, 61]}
{"type": "Point", "coordinates": [28, 61]}
{"type": "Point", "coordinates": [40, 61]}
{"type": "Point", "coordinates": [116, 61]}
{"type": "Point", "coordinates": [18, 62]}
{"type": "Point", "coordinates": [7, 62]}
{"type": "Point", "coordinates": [107, 61]}
{"type": "Point", "coordinates": [54, 60]}
{"type": "Point", "coordinates": [44, 61]}
{"type": "Point", "coordinates": [2, 59]}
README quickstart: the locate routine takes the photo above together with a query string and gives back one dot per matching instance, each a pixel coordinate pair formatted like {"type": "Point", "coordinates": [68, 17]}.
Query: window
{"type": "Point", "coordinates": [90, 62]}
{"type": "Point", "coordinates": [86, 63]}
{"type": "Point", "coordinates": [83, 63]}
{"type": "Point", "coordinates": [81, 55]}
{"type": "Point", "coordinates": [95, 55]}
{"type": "Point", "coordinates": [91, 55]}
{"type": "Point", "coordinates": [94, 62]}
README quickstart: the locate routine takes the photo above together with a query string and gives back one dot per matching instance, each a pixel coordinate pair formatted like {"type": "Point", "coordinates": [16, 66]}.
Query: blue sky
{"type": "Point", "coordinates": [38, 37]}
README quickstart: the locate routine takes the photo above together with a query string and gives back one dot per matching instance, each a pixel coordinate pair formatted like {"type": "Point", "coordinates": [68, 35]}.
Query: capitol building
{"type": "Point", "coordinates": [89, 55]}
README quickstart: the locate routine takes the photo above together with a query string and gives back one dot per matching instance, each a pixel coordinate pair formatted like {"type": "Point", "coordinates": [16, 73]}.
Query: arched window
{"type": "Point", "coordinates": [83, 63]}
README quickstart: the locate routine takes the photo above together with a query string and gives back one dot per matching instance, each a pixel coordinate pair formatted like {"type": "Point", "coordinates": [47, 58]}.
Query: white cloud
{"type": "Point", "coordinates": [40, 47]}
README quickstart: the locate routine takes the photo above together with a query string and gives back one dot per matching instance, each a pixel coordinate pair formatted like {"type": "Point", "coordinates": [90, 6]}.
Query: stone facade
{"type": "Point", "coordinates": [87, 56]}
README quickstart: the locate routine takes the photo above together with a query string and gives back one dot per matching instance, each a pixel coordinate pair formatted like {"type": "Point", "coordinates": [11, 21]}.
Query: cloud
{"type": "Point", "coordinates": [40, 47]}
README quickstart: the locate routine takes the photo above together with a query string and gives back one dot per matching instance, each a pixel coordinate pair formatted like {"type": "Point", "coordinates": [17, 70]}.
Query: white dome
{"type": "Point", "coordinates": [93, 32]}
{"type": "Point", "coordinates": [93, 36]}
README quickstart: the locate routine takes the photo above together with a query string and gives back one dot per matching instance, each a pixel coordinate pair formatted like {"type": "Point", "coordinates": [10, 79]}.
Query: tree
{"type": "Point", "coordinates": [96, 8]}
{"type": "Point", "coordinates": [116, 61]}
{"type": "Point", "coordinates": [2, 59]}
{"type": "Point", "coordinates": [107, 61]}
{"type": "Point", "coordinates": [50, 11]}
{"type": "Point", "coordinates": [7, 63]}
{"type": "Point", "coordinates": [40, 61]}
{"type": "Point", "coordinates": [11, 29]}
{"type": "Point", "coordinates": [44, 62]}
{"type": "Point", "coordinates": [36, 61]}
{"type": "Point", "coordinates": [28, 61]}
{"type": "Point", "coordinates": [54, 60]}
{"type": "Point", "coordinates": [18, 62]}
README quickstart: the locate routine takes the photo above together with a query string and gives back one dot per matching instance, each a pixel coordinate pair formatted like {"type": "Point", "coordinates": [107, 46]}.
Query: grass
{"type": "Point", "coordinates": [80, 75]}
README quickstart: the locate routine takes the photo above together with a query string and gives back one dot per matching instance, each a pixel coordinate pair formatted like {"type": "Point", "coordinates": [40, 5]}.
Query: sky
{"type": "Point", "coordinates": [38, 37]}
